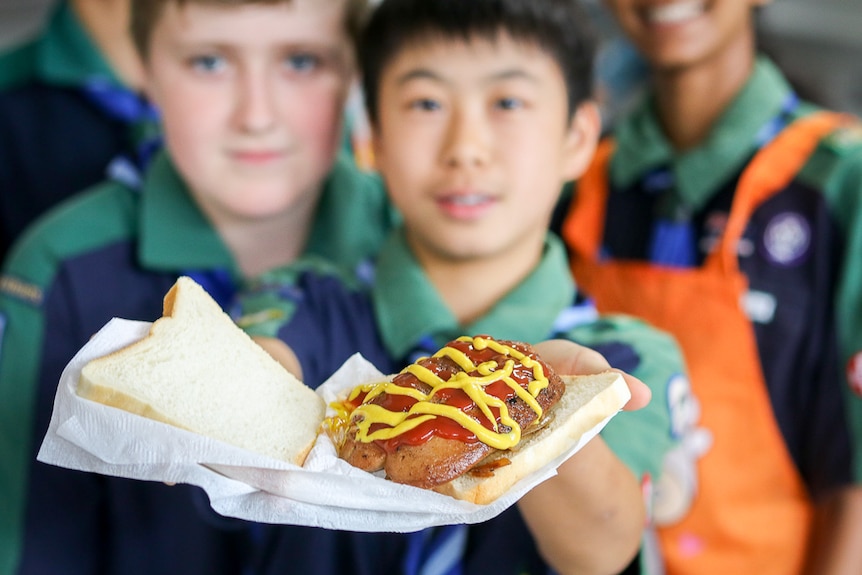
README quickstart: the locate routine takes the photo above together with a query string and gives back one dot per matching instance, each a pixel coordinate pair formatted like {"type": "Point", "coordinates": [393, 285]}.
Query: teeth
{"type": "Point", "coordinates": [470, 200]}
{"type": "Point", "coordinates": [676, 12]}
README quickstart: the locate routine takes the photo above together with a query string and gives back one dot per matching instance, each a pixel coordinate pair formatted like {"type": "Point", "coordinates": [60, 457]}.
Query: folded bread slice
{"type": "Point", "coordinates": [198, 371]}
{"type": "Point", "coordinates": [588, 401]}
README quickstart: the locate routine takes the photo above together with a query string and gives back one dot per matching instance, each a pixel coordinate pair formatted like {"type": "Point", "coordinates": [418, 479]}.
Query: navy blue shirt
{"type": "Point", "coordinates": [112, 252]}
{"type": "Point", "coordinates": [56, 137]}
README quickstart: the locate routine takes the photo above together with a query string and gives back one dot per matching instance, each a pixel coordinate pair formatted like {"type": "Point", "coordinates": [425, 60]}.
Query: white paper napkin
{"type": "Point", "coordinates": [325, 492]}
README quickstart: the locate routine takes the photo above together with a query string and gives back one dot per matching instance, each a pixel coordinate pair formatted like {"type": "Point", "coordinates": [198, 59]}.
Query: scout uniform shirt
{"type": "Point", "coordinates": [64, 117]}
{"type": "Point", "coordinates": [325, 321]}
{"type": "Point", "coordinates": [753, 265]}
{"type": "Point", "coordinates": [115, 252]}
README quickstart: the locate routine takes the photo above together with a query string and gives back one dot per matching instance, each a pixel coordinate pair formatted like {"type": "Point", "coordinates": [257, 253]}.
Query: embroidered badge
{"type": "Point", "coordinates": [845, 138]}
{"type": "Point", "coordinates": [676, 487]}
{"type": "Point", "coordinates": [854, 373]}
{"type": "Point", "coordinates": [786, 239]}
{"type": "Point", "coordinates": [759, 306]}
{"type": "Point", "coordinates": [690, 544]}
{"type": "Point", "coordinates": [21, 290]}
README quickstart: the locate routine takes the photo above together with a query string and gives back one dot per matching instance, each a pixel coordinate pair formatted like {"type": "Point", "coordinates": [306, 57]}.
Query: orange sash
{"type": "Point", "coordinates": [751, 514]}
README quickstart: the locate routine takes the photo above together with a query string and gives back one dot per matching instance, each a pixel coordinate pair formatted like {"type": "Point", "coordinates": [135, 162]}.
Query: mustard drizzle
{"type": "Point", "coordinates": [397, 423]}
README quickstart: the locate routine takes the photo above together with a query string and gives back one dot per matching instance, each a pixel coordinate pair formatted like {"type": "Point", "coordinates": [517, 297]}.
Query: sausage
{"type": "Point", "coordinates": [439, 450]}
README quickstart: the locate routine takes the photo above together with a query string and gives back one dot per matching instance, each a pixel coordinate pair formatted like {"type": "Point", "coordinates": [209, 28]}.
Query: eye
{"type": "Point", "coordinates": [303, 62]}
{"type": "Point", "coordinates": [425, 105]}
{"type": "Point", "coordinates": [509, 104]}
{"type": "Point", "coordinates": [208, 63]}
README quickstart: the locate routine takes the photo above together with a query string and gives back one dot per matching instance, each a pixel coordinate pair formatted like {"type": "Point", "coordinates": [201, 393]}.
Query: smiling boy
{"type": "Point", "coordinates": [472, 154]}
{"type": "Point", "coordinates": [730, 209]}
{"type": "Point", "coordinates": [481, 111]}
{"type": "Point", "coordinates": [251, 95]}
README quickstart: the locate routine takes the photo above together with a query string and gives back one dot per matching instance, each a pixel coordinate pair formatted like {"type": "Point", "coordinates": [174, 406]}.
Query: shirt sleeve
{"type": "Point", "coordinates": [32, 357]}
{"type": "Point", "coordinates": [844, 193]}
{"type": "Point", "coordinates": [639, 438]}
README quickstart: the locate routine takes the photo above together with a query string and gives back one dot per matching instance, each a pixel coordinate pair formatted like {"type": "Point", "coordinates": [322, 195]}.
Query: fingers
{"type": "Point", "coordinates": [281, 352]}
{"type": "Point", "coordinates": [567, 357]}
{"type": "Point", "coordinates": [641, 393]}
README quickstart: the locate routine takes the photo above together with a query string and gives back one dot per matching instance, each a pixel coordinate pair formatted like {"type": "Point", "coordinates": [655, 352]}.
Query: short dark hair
{"type": "Point", "coordinates": [561, 28]}
{"type": "Point", "coordinates": [145, 15]}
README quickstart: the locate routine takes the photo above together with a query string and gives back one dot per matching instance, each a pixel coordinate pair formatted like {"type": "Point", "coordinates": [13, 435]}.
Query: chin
{"type": "Point", "coordinates": [466, 253]}
{"type": "Point", "coordinates": [259, 206]}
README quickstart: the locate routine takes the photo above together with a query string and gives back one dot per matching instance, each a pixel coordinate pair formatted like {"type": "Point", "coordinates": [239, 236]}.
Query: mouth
{"type": "Point", "coordinates": [466, 206]}
{"type": "Point", "coordinates": [674, 13]}
{"type": "Point", "coordinates": [256, 157]}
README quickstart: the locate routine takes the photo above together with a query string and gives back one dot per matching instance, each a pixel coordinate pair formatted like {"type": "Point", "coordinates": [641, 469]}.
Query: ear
{"type": "Point", "coordinates": [377, 147]}
{"type": "Point", "coordinates": [581, 139]}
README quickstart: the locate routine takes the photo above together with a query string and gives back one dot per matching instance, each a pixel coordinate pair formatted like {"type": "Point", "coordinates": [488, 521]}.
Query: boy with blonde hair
{"type": "Point", "coordinates": [729, 208]}
{"type": "Point", "coordinates": [251, 95]}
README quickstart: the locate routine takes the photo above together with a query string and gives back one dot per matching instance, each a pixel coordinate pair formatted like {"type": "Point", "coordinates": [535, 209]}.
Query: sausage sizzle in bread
{"type": "Point", "coordinates": [469, 421]}
{"type": "Point", "coordinates": [472, 419]}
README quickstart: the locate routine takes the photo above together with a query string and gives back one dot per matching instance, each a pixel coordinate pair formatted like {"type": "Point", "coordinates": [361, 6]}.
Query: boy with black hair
{"type": "Point", "coordinates": [251, 94]}
{"type": "Point", "coordinates": [731, 211]}
{"type": "Point", "coordinates": [481, 110]}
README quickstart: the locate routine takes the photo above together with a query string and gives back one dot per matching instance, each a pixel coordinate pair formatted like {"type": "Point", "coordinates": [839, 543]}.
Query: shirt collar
{"type": "Point", "coordinates": [349, 195]}
{"type": "Point", "coordinates": [698, 173]}
{"type": "Point", "coordinates": [408, 308]}
{"type": "Point", "coordinates": [65, 54]}
{"type": "Point", "coordinates": [175, 234]}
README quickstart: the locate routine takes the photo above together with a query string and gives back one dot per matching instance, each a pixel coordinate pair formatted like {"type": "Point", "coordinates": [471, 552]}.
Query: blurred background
{"type": "Point", "coordinates": [818, 43]}
{"type": "Point", "coordinates": [20, 18]}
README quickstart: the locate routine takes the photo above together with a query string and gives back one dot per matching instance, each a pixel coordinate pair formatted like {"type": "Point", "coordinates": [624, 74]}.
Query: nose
{"type": "Point", "coordinates": [255, 110]}
{"type": "Point", "coordinates": [468, 139]}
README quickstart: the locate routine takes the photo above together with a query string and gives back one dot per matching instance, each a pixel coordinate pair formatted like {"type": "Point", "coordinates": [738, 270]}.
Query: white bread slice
{"type": "Point", "coordinates": [198, 371]}
{"type": "Point", "coordinates": [588, 400]}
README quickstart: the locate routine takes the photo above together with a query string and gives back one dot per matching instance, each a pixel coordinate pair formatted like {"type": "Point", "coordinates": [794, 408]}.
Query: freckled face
{"type": "Point", "coordinates": [251, 99]}
{"type": "Point", "coordinates": [474, 142]}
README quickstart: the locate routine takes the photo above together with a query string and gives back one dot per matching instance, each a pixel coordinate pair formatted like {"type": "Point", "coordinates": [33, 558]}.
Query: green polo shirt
{"type": "Point", "coordinates": [699, 172]}
{"type": "Point", "coordinates": [353, 217]}
{"type": "Point", "coordinates": [410, 315]}
{"type": "Point", "coordinates": [408, 308]}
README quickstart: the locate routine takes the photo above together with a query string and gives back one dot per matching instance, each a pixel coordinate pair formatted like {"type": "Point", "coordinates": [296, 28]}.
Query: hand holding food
{"type": "Point", "coordinates": [197, 370]}
{"type": "Point", "coordinates": [470, 421]}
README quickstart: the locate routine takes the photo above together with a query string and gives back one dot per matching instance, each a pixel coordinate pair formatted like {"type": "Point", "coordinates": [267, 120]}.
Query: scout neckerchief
{"type": "Point", "coordinates": [141, 117]}
{"type": "Point", "coordinates": [218, 283]}
{"type": "Point", "coordinates": [66, 56]}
